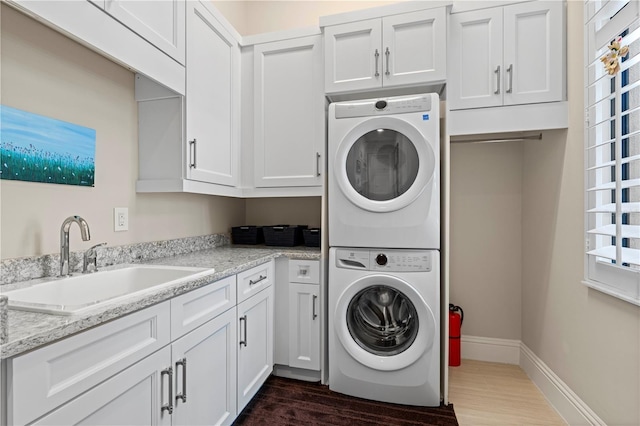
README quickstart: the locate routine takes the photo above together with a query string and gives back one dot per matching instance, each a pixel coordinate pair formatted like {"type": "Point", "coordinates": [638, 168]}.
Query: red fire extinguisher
{"type": "Point", "coordinates": [455, 325]}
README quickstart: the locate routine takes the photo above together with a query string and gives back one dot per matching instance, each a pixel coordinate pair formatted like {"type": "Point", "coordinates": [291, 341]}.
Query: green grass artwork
{"type": "Point", "coordinates": [35, 148]}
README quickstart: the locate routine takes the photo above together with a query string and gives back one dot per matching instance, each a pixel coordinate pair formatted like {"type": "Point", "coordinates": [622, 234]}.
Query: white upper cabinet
{"type": "Point", "coordinates": [352, 56]}
{"type": "Point", "coordinates": [213, 77]}
{"type": "Point", "coordinates": [147, 37]}
{"type": "Point", "coordinates": [288, 113]}
{"type": "Point", "coordinates": [161, 23]}
{"type": "Point", "coordinates": [398, 50]}
{"type": "Point", "coordinates": [509, 55]}
{"type": "Point", "coordinates": [534, 52]}
{"type": "Point", "coordinates": [191, 143]}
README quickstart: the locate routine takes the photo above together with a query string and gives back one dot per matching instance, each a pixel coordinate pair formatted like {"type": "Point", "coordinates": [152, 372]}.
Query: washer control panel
{"type": "Point", "coordinates": [387, 260]}
{"type": "Point", "coordinates": [400, 260]}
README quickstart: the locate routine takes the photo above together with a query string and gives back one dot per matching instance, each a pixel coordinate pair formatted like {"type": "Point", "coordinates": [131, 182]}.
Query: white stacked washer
{"type": "Point", "coordinates": [384, 342]}
{"type": "Point", "coordinates": [384, 233]}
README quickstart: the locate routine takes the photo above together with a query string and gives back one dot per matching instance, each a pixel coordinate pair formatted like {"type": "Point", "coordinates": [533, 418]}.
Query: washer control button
{"type": "Point", "coordinates": [381, 259]}
{"type": "Point", "coordinates": [381, 104]}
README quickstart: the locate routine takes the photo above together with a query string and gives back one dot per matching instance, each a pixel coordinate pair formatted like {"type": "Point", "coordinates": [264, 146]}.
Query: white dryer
{"type": "Point", "coordinates": [384, 172]}
{"type": "Point", "coordinates": [384, 328]}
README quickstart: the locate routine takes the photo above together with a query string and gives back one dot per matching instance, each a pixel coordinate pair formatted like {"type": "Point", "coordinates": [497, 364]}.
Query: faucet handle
{"type": "Point", "coordinates": [91, 256]}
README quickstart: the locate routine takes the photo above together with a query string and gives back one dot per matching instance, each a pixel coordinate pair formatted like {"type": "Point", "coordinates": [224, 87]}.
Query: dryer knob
{"type": "Point", "coordinates": [381, 259]}
{"type": "Point", "coordinates": [381, 104]}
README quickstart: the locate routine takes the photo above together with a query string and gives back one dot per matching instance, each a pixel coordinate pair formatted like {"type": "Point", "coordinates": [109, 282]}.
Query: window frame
{"type": "Point", "coordinates": [618, 281]}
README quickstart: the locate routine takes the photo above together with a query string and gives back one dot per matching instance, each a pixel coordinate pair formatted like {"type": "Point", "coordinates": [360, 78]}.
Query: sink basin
{"type": "Point", "coordinates": [72, 295]}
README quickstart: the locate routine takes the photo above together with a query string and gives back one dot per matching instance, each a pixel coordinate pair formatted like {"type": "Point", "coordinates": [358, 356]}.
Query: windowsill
{"type": "Point", "coordinates": [612, 291]}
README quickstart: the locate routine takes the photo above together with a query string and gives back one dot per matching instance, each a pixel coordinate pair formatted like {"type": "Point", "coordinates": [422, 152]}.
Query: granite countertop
{"type": "Point", "coordinates": [30, 330]}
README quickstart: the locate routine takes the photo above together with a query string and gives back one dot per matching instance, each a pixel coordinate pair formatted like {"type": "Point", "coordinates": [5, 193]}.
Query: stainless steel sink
{"type": "Point", "coordinates": [72, 295]}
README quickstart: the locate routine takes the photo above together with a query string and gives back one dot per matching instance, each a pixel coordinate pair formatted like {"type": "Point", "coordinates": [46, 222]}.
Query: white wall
{"type": "Point", "coordinates": [267, 16]}
{"type": "Point", "coordinates": [486, 199]}
{"type": "Point", "coordinates": [590, 340]}
{"type": "Point", "coordinates": [289, 211]}
{"type": "Point", "coordinates": [45, 73]}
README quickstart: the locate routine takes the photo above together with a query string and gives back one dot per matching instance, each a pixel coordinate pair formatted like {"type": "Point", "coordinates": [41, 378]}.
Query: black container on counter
{"type": "Point", "coordinates": [283, 235]}
{"type": "Point", "coordinates": [311, 237]}
{"type": "Point", "coordinates": [247, 235]}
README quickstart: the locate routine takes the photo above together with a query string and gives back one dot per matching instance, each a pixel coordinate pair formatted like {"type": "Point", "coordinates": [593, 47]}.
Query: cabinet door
{"type": "Point", "coordinates": [475, 59]}
{"type": "Point", "coordinates": [304, 326]}
{"type": "Point", "coordinates": [133, 397]}
{"type": "Point", "coordinates": [534, 52]}
{"type": "Point", "coordinates": [414, 47]}
{"type": "Point", "coordinates": [352, 56]}
{"type": "Point", "coordinates": [160, 23]}
{"type": "Point", "coordinates": [289, 111]}
{"type": "Point", "coordinates": [212, 92]}
{"type": "Point", "coordinates": [204, 363]}
{"type": "Point", "coordinates": [255, 344]}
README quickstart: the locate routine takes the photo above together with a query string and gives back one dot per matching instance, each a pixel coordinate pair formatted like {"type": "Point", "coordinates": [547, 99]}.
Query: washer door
{"type": "Point", "coordinates": [383, 322]}
{"type": "Point", "coordinates": [383, 164]}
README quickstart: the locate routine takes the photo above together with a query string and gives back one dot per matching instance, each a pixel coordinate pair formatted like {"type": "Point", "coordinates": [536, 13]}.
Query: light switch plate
{"type": "Point", "coordinates": [120, 219]}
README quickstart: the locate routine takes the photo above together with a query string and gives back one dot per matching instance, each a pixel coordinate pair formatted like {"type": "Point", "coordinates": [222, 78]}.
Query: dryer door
{"type": "Point", "coordinates": [383, 164]}
{"type": "Point", "coordinates": [384, 323]}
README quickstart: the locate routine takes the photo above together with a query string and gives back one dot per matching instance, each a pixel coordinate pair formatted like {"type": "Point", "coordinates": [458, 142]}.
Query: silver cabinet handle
{"type": "Point", "coordinates": [262, 278]}
{"type": "Point", "coordinates": [317, 164]}
{"type": "Point", "coordinates": [192, 145]}
{"type": "Point", "coordinates": [497, 71]}
{"type": "Point", "coordinates": [377, 56]}
{"type": "Point", "coordinates": [169, 405]}
{"type": "Point", "coordinates": [314, 315]}
{"type": "Point", "coordinates": [510, 71]}
{"type": "Point", "coordinates": [387, 53]}
{"type": "Point", "coordinates": [183, 394]}
{"type": "Point", "coordinates": [243, 320]}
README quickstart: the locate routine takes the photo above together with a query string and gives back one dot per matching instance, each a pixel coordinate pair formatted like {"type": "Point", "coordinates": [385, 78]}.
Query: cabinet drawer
{"type": "Point", "coordinates": [253, 280]}
{"type": "Point", "coordinates": [304, 271]}
{"type": "Point", "coordinates": [193, 309]}
{"type": "Point", "coordinates": [48, 377]}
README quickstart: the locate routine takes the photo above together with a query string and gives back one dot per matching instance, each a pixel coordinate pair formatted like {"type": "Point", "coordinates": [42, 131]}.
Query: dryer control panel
{"type": "Point", "coordinates": [384, 106]}
{"type": "Point", "coordinates": [386, 260]}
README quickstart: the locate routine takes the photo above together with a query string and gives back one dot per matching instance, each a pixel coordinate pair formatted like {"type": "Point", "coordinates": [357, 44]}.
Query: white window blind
{"type": "Point", "coordinates": [612, 157]}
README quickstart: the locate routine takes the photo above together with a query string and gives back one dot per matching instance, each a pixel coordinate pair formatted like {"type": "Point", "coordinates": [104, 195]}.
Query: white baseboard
{"type": "Point", "coordinates": [490, 349]}
{"type": "Point", "coordinates": [570, 407]}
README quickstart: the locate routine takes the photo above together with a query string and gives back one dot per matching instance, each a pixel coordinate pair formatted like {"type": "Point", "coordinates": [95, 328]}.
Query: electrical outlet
{"type": "Point", "coordinates": [120, 219]}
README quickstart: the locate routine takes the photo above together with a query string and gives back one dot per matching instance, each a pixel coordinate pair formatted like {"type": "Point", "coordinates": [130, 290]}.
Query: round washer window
{"type": "Point", "coordinates": [382, 320]}
{"type": "Point", "coordinates": [382, 164]}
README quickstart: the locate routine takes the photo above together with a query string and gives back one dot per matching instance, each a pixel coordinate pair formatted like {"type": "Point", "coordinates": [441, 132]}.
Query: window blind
{"type": "Point", "coordinates": [612, 138]}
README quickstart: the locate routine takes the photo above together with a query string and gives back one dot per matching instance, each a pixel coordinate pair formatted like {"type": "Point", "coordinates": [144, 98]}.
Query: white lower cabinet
{"type": "Point", "coordinates": [298, 319]}
{"type": "Point", "coordinates": [194, 360]}
{"type": "Point", "coordinates": [204, 373]}
{"type": "Point", "coordinates": [304, 326]}
{"type": "Point", "coordinates": [255, 344]}
{"type": "Point", "coordinates": [132, 397]}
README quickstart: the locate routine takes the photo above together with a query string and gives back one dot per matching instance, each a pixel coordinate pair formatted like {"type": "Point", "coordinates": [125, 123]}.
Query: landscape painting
{"type": "Point", "coordinates": [35, 148]}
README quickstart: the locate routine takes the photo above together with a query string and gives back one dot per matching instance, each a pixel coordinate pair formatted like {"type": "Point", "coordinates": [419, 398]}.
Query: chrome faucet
{"type": "Point", "coordinates": [64, 240]}
{"type": "Point", "coordinates": [91, 258]}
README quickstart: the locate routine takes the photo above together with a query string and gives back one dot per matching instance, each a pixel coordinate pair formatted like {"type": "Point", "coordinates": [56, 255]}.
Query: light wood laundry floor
{"type": "Point", "coordinates": [487, 393]}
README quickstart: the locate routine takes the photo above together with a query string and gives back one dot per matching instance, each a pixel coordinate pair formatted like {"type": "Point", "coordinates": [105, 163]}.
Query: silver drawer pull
{"type": "Point", "coordinates": [262, 278]}
{"type": "Point", "coordinates": [317, 164]}
{"type": "Point", "coordinates": [377, 56]}
{"type": "Point", "coordinates": [183, 394]}
{"type": "Point", "coordinates": [510, 72]}
{"type": "Point", "coordinates": [192, 144]}
{"type": "Point", "coordinates": [313, 311]}
{"type": "Point", "coordinates": [169, 405]}
{"type": "Point", "coordinates": [387, 53]}
{"type": "Point", "coordinates": [243, 320]}
{"type": "Point", "coordinates": [497, 72]}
